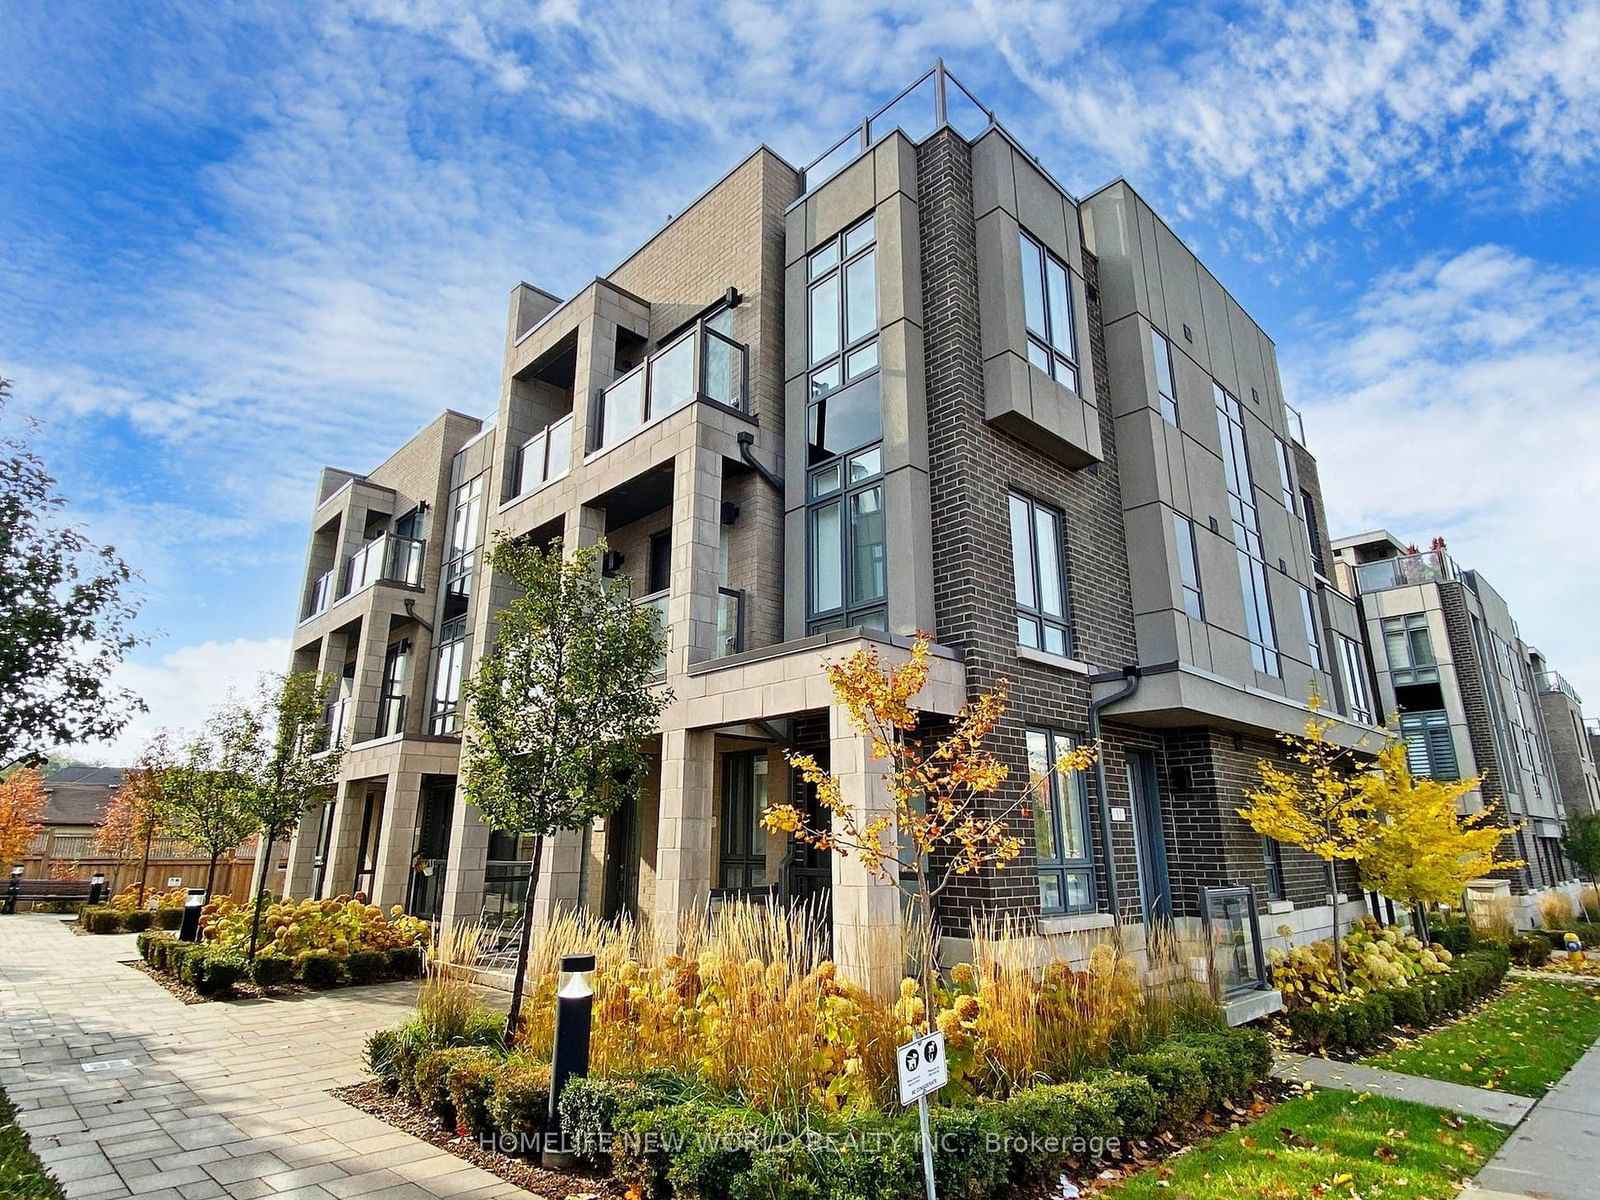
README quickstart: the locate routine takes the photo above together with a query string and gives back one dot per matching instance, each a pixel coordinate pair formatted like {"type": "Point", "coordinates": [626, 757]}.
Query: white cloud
{"type": "Point", "coordinates": [182, 686]}
{"type": "Point", "coordinates": [1457, 398]}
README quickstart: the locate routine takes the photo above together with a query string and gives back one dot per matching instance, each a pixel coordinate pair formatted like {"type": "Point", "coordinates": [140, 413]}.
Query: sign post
{"type": "Point", "coordinates": [923, 1071]}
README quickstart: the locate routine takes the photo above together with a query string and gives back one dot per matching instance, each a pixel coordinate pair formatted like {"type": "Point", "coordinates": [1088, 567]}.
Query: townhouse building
{"type": "Point", "coordinates": [1469, 697]}
{"type": "Point", "coordinates": [1571, 754]}
{"type": "Point", "coordinates": [915, 386]}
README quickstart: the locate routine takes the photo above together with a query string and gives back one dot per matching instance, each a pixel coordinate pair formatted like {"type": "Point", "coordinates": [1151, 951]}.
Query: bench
{"type": "Point", "coordinates": [27, 891]}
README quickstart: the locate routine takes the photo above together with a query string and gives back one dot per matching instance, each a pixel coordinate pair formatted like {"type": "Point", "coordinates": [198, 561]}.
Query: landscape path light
{"type": "Point", "coordinates": [11, 890]}
{"type": "Point", "coordinates": [574, 1010]}
{"type": "Point", "coordinates": [189, 931]}
{"type": "Point", "coordinates": [97, 887]}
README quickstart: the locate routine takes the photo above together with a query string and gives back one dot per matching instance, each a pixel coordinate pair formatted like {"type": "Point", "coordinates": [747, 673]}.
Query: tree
{"type": "Point", "coordinates": [135, 815]}
{"type": "Point", "coordinates": [1582, 843]}
{"type": "Point", "coordinates": [558, 709]}
{"type": "Point", "coordinates": [208, 789]}
{"type": "Point", "coordinates": [291, 771]}
{"type": "Point", "coordinates": [65, 618]}
{"type": "Point", "coordinates": [1424, 850]}
{"type": "Point", "coordinates": [21, 809]}
{"type": "Point", "coordinates": [939, 825]}
{"type": "Point", "coordinates": [1322, 806]}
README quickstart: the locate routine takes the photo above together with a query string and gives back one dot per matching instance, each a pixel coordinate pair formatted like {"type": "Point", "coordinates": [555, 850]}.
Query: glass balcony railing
{"type": "Point", "coordinates": [1435, 566]}
{"type": "Point", "coordinates": [1297, 425]}
{"type": "Point", "coordinates": [337, 718]}
{"type": "Point", "coordinates": [701, 365]}
{"type": "Point", "coordinates": [657, 602]}
{"type": "Point", "coordinates": [545, 456]}
{"type": "Point", "coordinates": [1554, 681]}
{"type": "Point", "coordinates": [317, 597]}
{"type": "Point", "coordinates": [387, 558]}
{"type": "Point", "coordinates": [730, 621]}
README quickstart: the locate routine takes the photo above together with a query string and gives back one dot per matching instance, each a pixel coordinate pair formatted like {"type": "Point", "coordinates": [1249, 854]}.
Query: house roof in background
{"type": "Point", "coordinates": [79, 795]}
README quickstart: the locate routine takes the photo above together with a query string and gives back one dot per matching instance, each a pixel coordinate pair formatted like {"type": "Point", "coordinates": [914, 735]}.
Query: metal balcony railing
{"type": "Point", "coordinates": [1435, 566]}
{"type": "Point", "coordinates": [387, 558]}
{"type": "Point", "coordinates": [730, 621]}
{"type": "Point", "coordinates": [1554, 681]}
{"type": "Point", "coordinates": [545, 456]}
{"type": "Point", "coordinates": [702, 364]}
{"type": "Point", "coordinates": [318, 595]}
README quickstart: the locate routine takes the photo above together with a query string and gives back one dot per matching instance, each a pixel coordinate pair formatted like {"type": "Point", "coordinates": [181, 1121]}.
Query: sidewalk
{"type": "Point", "coordinates": [125, 1091]}
{"type": "Point", "coordinates": [1555, 1153]}
{"type": "Point", "coordinates": [1499, 1107]}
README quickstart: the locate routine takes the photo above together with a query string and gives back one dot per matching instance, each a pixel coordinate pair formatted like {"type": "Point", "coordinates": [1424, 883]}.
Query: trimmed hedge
{"type": "Point", "coordinates": [214, 972]}
{"type": "Point", "coordinates": [1531, 949]}
{"type": "Point", "coordinates": [100, 918]}
{"type": "Point", "coordinates": [1358, 1023]}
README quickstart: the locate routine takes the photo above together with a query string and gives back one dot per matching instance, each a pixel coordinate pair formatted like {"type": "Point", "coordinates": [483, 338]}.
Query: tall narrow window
{"type": "Point", "coordinates": [742, 865]}
{"type": "Point", "coordinates": [1047, 307]}
{"type": "Point", "coordinates": [1039, 576]}
{"type": "Point", "coordinates": [1308, 510]}
{"type": "Point", "coordinates": [391, 689]}
{"type": "Point", "coordinates": [842, 308]}
{"type": "Point", "coordinates": [1246, 523]}
{"type": "Point", "coordinates": [1188, 566]}
{"type": "Point", "coordinates": [449, 659]}
{"type": "Point", "coordinates": [1285, 479]}
{"type": "Point", "coordinates": [466, 509]}
{"type": "Point", "coordinates": [1409, 648]}
{"type": "Point", "coordinates": [1308, 612]}
{"type": "Point", "coordinates": [1060, 826]}
{"type": "Point", "coordinates": [660, 577]}
{"type": "Point", "coordinates": [847, 543]}
{"type": "Point", "coordinates": [1430, 746]}
{"type": "Point", "coordinates": [1357, 690]}
{"type": "Point", "coordinates": [1166, 375]}
{"type": "Point", "coordinates": [1272, 860]}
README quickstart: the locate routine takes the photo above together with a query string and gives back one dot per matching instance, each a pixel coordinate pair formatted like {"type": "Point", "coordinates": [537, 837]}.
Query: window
{"type": "Point", "coordinates": [1039, 576]}
{"type": "Point", "coordinates": [1410, 649]}
{"type": "Point", "coordinates": [391, 688]}
{"type": "Point", "coordinates": [1188, 566]}
{"type": "Point", "coordinates": [1047, 306]}
{"type": "Point", "coordinates": [660, 576]}
{"type": "Point", "coordinates": [842, 309]}
{"type": "Point", "coordinates": [1246, 533]}
{"type": "Point", "coordinates": [1166, 375]}
{"type": "Point", "coordinates": [1430, 746]}
{"type": "Point", "coordinates": [743, 862]}
{"type": "Point", "coordinates": [1272, 860]}
{"type": "Point", "coordinates": [1308, 612]}
{"type": "Point", "coordinates": [1285, 479]}
{"type": "Point", "coordinates": [449, 659]}
{"type": "Point", "coordinates": [1313, 533]}
{"type": "Point", "coordinates": [1357, 691]}
{"type": "Point", "coordinates": [846, 543]}
{"type": "Point", "coordinates": [466, 506]}
{"type": "Point", "coordinates": [1060, 826]}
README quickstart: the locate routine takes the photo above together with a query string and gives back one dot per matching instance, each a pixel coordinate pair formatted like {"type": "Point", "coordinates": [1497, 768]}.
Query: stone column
{"type": "Point", "coordinates": [345, 843]}
{"type": "Point", "coordinates": [866, 909]}
{"type": "Point", "coordinates": [464, 864]}
{"type": "Point", "coordinates": [392, 880]}
{"type": "Point", "coordinates": [696, 543]}
{"type": "Point", "coordinates": [559, 874]}
{"type": "Point", "coordinates": [683, 829]}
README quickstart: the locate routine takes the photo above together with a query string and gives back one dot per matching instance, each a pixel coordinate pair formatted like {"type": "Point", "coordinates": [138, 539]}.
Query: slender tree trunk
{"type": "Point", "coordinates": [144, 861]}
{"type": "Point", "coordinates": [211, 873]}
{"type": "Point", "coordinates": [515, 1014]}
{"type": "Point", "coordinates": [261, 893]}
{"type": "Point", "coordinates": [1333, 897]}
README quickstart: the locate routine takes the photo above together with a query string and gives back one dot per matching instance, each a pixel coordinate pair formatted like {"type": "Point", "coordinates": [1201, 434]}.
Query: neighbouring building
{"type": "Point", "coordinates": [1469, 697]}
{"type": "Point", "coordinates": [915, 386]}
{"type": "Point", "coordinates": [1560, 706]}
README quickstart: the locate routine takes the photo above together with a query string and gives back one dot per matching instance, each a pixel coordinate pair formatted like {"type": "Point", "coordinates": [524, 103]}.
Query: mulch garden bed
{"type": "Point", "coordinates": [243, 990]}
{"type": "Point", "coordinates": [374, 1099]}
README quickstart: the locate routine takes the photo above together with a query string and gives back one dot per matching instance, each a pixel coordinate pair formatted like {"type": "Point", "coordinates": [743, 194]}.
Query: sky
{"type": "Point", "coordinates": [238, 242]}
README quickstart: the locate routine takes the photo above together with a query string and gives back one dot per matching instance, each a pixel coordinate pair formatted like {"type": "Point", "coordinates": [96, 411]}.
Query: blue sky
{"type": "Point", "coordinates": [237, 241]}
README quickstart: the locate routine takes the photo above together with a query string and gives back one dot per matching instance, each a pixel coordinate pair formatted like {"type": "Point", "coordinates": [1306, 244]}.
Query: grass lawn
{"type": "Point", "coordinates": [1522, 1042]}
{"type": "Point", "coordinates": [21, 1174]}
{"type": "Point", "coordinates": [1329, 1143]}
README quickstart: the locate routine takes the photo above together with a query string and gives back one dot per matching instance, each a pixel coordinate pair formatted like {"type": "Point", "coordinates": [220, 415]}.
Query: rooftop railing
{"type": "Point", "coordinates": [387, 558]}
{"type": "Point", "coordinates": [1553, 681]}
{"type": "Point", "coordinates": [1297, 424]}
{"type": "Point", "coordinates": [1435, 566]}
{"type": "Point", "coordinates": [702, 364]}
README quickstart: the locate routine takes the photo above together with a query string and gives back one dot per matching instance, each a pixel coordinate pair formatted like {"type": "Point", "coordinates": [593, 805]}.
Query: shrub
{"type": "Point", "coordinates": [169, 918]}
{"type": "Point", "coordinates": [100, 919]}
{"type": "Point", "coordinates": [964, 1164]}
{"type": "Point", "coordinates": [338, 926]}
{"type": "Point", "coordinates": [520, 1103]}
{"type": "Point", "coordinates": [178, 956]}
{"type": "Point", "coordinates": [147, 944]}
{"type": "Point", "coordinates": [470, 1081]}
{"type": "Point", "coordinates": [216, 973]}
{"type": "Point", "coordinates": [428, 1084]}
{"type": "Point", "coordinates": [1134, 1102]}
{"type": "Point", "coordinates": [1179, 1080]}
{"type": "Point", "coordinates": [271, 970]}
{"type": "Point", "coordinates": [379, 1052]}
{"type": "Point", "coordinates": [405, 962]}
{"type": "Point", "coordinates": [319, 969]}
{"type": "Point", "coordinates": [1532, 949]}
{"type": "Point", "coordinates": [138, 920]}
{"type": "Point", "coordinates": [1045, 1125]}
{"type": "Point", "coordinates": [789, 1170]}
{"type": "Point", "coordinates": [881, 1160]}
{"type": "Point", "coordinates": [367, 966]}
{"type": "Point", "coordinates": [1454, 936]}
{"type": "Point", "coordinates": [717, 1153]}
{"type": "Point", "coordinates": [595, 1107]}
{"type": "Point", "coordinates": [1410, 1006]}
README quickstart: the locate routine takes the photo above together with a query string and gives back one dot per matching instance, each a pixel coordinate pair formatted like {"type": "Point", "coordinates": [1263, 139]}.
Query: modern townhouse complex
{"type": "Point", "coordinates": [1560, 706]}
{"type": "Point", "coordinates": [915, 386]}
{"type": "Point", "coordinates": [1472, 698]}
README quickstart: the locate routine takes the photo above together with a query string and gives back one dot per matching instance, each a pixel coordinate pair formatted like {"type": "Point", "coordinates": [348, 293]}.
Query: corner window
{"type": "Point", "coordinates": [1060, 826]}
{"type": "Point", "coordinates": [1047, 306]}
{"type": "Point", "coordinates": [1188, 567]}
{"type": "Point", "coordinates": [1166, 376]}
{"type": "Point", "coordinates": [1308, 612]}
{"type": "Point", "coordinates": [1039, 576]}
{"type": "Point", "coordinates": [1410, 649]}
{"type": "Point", "coordinates": [846, 543]}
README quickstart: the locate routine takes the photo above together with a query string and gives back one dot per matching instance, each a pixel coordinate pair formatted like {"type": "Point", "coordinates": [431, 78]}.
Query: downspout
{"type": "Point", "coordinates": [1130, 684]}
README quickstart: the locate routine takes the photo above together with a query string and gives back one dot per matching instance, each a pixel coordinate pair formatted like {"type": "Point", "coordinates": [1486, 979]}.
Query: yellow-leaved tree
{"type": "Point", "coordinates": [1322, 805]}
{"type": "Point", "coordinates": [1425, 850]}
{"type": "Point", "coordinates": [939, 824]}
{"type": "Point", "coordinates": [21, 813]}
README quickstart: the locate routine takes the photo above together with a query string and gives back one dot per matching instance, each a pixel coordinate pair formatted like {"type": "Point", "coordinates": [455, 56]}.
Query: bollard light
{"type": "Point", "coordinates": [11, 890]}
{"type": "Point", "coordinates": [574, 1008]}
{"type": "Point", "coordinates": [189, 930]}
{"type": "Point", "coordinates": [97, 887]}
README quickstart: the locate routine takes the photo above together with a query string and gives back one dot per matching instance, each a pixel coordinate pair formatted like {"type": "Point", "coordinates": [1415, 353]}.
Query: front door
{"type": "Point", "coordinates": [621, 896]}
{"type": "Point", "coordinates": [431, 849]}
{"type": "Point", "coordinates": [1155, 885]}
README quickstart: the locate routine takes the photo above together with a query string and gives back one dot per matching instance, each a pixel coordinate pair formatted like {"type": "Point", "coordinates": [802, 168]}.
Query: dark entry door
{"type": "Point", "coordinates": [432, 849]}
{"type": "Point", "coordinates": [621, 896]}
{"type": "Point", "coordinates": [809, 873]}
{"type": "Point", "coordinates": [1155, 884]}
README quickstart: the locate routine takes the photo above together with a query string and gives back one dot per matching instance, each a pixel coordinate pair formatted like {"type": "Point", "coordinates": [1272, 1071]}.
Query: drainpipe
{"type": "Point", "coordinates": [1130, 684]}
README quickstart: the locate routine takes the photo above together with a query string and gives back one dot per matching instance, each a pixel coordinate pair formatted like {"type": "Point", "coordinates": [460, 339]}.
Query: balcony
{"type": "Point", "coordinates": [317, 597]}
{"type": "Point", "coordinates": [387, 558]}
{"type": "Point", "coordinates": [657, 602]}
{"type": "Point", "coordinates": [1297, 425]}
{"type": "Point", "coordinates": [730, 621]}
{"type": "Point", "coordinates": [337, 718]}
{"type": "Point", "coordinates": [1552, 681]}
{"type": "Point", "coordinates": [1435, 566]}
{"type": "Point", "coordinates": [544, 457]}
{"type": "Point", "coordinates": [700, 365]}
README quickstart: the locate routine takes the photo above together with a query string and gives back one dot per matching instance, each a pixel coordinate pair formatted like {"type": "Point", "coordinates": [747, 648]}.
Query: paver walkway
{"type": "Point", "coordinates": [1499, 1107]}
{"type": "Point", "coordinates": [1555, 1153]}
{"type": "Point", "coordinates": [196, 1102]}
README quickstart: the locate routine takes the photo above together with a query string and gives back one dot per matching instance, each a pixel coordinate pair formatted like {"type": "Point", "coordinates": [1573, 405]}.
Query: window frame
{"type": "Point", "coordinates": [1183, 532]}
{"type": "Point", "coordinates": [1358, 690]}
{"type": "Point", "coordinates": [1043, 340]}
{"type": "Point", "coordinates": [845, 348]}
{"type": "Point", "coordinates": [1418, 730]}
{"type": "Point", "coordinates": [444, 714]}
{"type": "Point", "coordinates": [1412, 671]}
{"type": "Point", "coordinates": [1285, 475]}
{"type": "Point", "coordinates": [741, 853]}
{"type": "Point", "coordinates": [1057, 743]}
{"type": "Point", "coordinates": [1166, 401]}
{"type": "Point", "coordinates": [845, 614]}
{"type": "Point", "coordinates": [1308, 612]}
{"type": "Point", "coordinates": [1042, 620]}
{"type": "Point", "coordinates": [1245, 518]}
